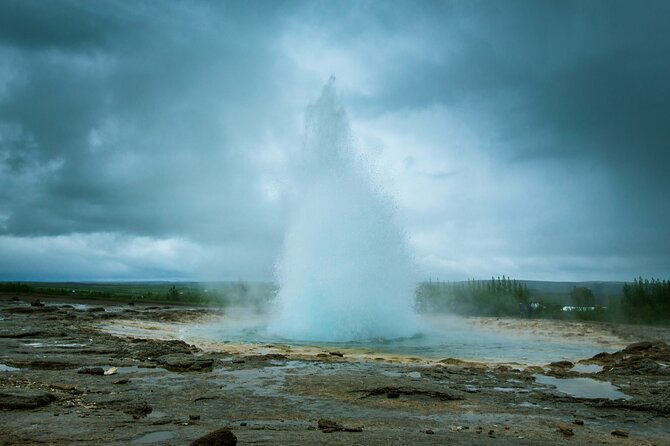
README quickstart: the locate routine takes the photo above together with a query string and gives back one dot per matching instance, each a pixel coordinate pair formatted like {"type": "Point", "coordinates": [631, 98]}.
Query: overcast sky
{"type": "Point", "coordinates": [151, 140]}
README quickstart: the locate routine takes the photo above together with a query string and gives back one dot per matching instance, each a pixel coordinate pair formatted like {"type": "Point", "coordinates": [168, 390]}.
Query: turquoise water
{"type": "Point", "coordinates": [455, 340]}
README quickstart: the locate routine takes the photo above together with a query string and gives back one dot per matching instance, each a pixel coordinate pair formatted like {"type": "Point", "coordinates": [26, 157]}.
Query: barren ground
{"type": "Point", "coordinates": [165, 391]}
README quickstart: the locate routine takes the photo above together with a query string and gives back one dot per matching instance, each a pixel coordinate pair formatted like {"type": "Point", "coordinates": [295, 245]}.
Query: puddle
{"type": "Point", "coordinates": [137, 369]}
{"type": "Point", "coordinates": [153, 437]}
{"type": "Point", "coordinates": [587, 368]}
{"type": "Point", "coordinates": [391, 374]}
{"type": "Point", "coordinates": [528, 404]}
{"type": "Point", "coordinates": [583, 387]}
{"type": "Point", "coordinates": [6, 368]}
{"type": "Point", "coordinates": [42, 344]}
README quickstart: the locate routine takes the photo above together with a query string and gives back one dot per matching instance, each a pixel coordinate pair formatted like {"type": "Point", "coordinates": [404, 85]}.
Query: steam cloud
{"type": "Point", "coordinates": [344, 273]}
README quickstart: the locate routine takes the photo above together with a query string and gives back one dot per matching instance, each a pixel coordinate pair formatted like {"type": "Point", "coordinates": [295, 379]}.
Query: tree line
{"type": "Point", "coordinates": [501, 296]}
{"type": "Point", "coordinates": [647, 300]}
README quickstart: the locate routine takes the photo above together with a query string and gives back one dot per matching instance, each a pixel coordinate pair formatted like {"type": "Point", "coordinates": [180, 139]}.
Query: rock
{"type": "Point", "coordinates": [353, 429]}
{"type": "Point", "coordinates": [562, 364]}
{"type": "Point", "coordinates": [63, 387]}
{"type": "Point", "coordinates": [137, 409]}
{"type": "Point", "coordinates": [96, 310]}
{"type": "Point", "coordinates": [328, 430]}
{"type": "Point", "coordinates": [638, 347]}
{"type": "Point", "coordinates": [578, 422]}
{"type": "Point", "coordinates": [221, 437]}
{"type": "Point", "coordinates": [243, 423]}
{"type": "Point", "coordinates": [565, 430]}
{"type": "Point", "coordinates": [179, 362]}
{"type": "Point", "coordinates": [121, 381]}
{"type": "Point", "coordinates": [111, 371]}
{"type": "Point", "coordinates": [620, 433]}
{"type": "Point", "coordinates": [193, 417]}
{"type": "Point", "coordinates": [395, 392]}
{"type": "Point", "coordinates": [25, 399]}
{"type": "Point", "coordinates": [36, 303]}
{"type": "Point", "coordinates": [325, 424]}
{"type": "Point", "coordinates": [145, 349]}
{"type": "Point", "coordinates": [91, 371]}
{"type": "Point", "coordinates": [601, 356]}
{"type": "Point", "coordinates": [430, 431]}
{"type": "Point", "coordinates": [341, 355]}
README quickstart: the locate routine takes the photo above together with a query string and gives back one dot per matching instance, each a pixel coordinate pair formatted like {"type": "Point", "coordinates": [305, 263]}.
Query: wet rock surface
{"type": "Point", "coordinates": [167, 391]}
{"type": "Point", "coordinates": [220, 437]}
{"type": "Point", "coordinates": [24, 399]}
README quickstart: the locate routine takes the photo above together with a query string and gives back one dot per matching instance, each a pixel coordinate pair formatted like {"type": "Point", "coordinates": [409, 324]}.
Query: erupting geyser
{"type": "Point", "coordinates": [344, 273]}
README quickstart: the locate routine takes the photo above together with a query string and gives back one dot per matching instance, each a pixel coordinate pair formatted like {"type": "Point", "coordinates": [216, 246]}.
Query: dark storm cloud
{"type": "Point", "coordinates": [582, 83]}
{"type": "Point", "coordinates": [132, 104]}
{"type": "Point", "coordinates": [152, 121]}
{"type": "Point", "coordinates": [36, 25]}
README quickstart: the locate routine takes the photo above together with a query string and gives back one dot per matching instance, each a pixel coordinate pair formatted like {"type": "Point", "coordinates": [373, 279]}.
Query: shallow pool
{"type": "Point", "coordinates": [470, 339]}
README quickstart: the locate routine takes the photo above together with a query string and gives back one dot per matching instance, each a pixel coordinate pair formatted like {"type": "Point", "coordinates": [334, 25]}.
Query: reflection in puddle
{"type": "Point", "coordinates": [583, 387]}
{"type": "Point", "coordinates": [55, 344]}
{"type": "Point", "coordinates": [392, 374]}
{"type": "Point", "coordinates": [6, 368]}
{"type": "Point", "coordinates": [154, 437]}
{"type": "Point", "coordinates": [137, 369]}
{"type": "Point", "coordinates": [511, 390]}
{"type": "Point", "coordinates": [587, 368]}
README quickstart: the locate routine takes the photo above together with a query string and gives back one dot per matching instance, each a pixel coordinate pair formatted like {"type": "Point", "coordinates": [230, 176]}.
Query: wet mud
{"type": "Point", "coordinates": [71, 374]}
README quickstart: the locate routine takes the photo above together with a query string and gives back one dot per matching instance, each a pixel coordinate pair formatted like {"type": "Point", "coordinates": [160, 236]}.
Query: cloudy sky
{"type": "Point", "coordinates": [151, 140]}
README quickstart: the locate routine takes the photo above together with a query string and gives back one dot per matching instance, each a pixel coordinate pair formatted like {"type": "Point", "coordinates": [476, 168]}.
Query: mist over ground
{"type": "Point", "coordinates": [154, 141]}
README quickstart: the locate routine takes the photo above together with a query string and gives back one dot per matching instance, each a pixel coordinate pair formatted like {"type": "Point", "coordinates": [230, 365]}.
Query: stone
{"type": "Point", "coordinates": [340, 354]}
{"type": "Point", "coordinates": [91, 371]}
{"type": "Point", "coordinates": [136, 408]}
{"type": "Point", "coordinates": [220, 437]}
{"type": "Point", "coordinates": [638, 347]}
{"type": "Point", "coordinates": [562, 364]}
{"type": "Point", "coordinates": [179, 362]}
{"type": "Point", "coordinates": [620, 433]}
{"type": "Point", "coordinates": [121, 381]}
{"type": "Point", "coordinates": [565, 430]}
{"type": "Point", "coordinates": [430, 432]}
{"type": "Point", "coordinates": [392, 395]}
{"type": "Point", "coordinates": [96, 310]}
{"type": "Point", "coordinates": [323, 424]}
{"type": "Point", "coordinates": [578, 422]}
{"type": "Point", "coordinates": [63, 387]}
{"type": "Point", "coordinates": [193, 417]}
{"type": "Point", "coordinates": [25, 399]}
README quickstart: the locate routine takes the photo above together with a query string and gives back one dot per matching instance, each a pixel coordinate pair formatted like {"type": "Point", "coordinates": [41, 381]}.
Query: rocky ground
{"type": "Point", "coordinates": [64, 379]}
